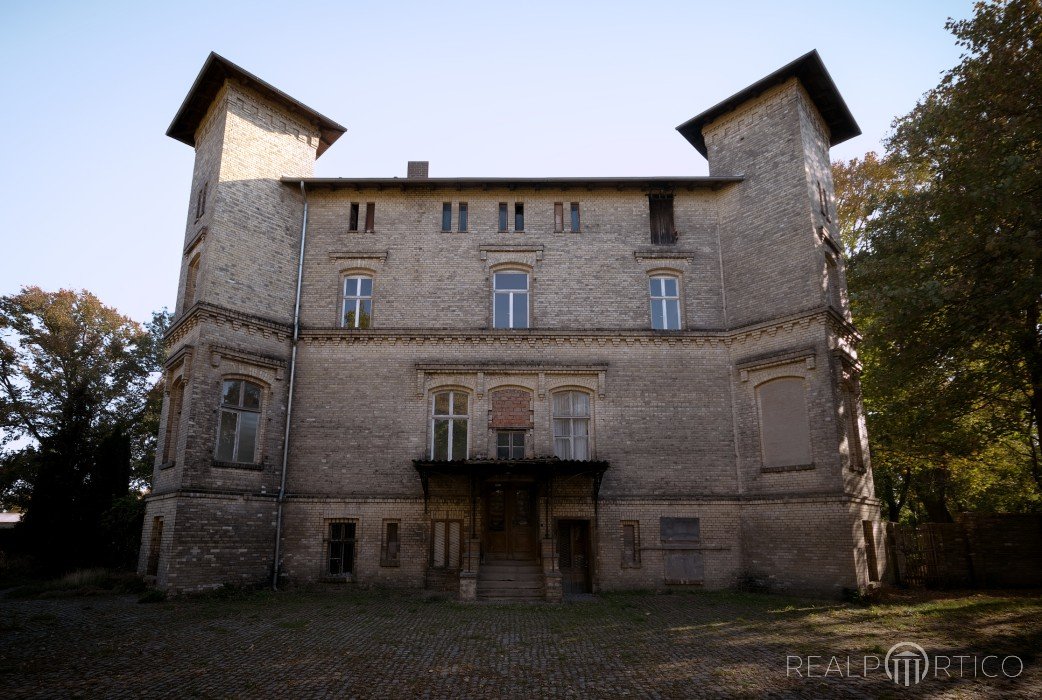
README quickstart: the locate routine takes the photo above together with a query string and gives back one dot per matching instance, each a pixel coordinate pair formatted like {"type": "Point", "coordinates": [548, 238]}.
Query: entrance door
{"type": "Point", "coordinates": [510, 522]}
{"type": "Point", "coordinates": [573, 555]}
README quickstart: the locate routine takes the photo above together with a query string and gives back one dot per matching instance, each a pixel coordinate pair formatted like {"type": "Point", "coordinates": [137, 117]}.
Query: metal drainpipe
{"type": "Point", "coordinates": [289, 402]}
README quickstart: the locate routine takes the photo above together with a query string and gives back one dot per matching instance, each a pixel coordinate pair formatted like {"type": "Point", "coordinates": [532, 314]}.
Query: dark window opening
{"type": "Point", "coordinates": [870, 551]}
{"type": "Point", "coordinates": [446, 216]}
{"type": "Point", "coordinates": [352, 222]}
{"type": "Point", "coordinates": [502, 216]}
{"type": "Point", "coordinates": [662, 227]}
{"type": "Point", "coordinates": [510, 444]}
{"type": "Point", "coordinates": [558, 217]}
{"type": "Point", "coordinates": [575, 217]}
{"type": "Point", "coordinates": [630, 544]}
{"type": "Point", "coordinates": [341, 549]}
{"type": "Point", "coordinates": [519, 216]}
{"type": "Point", "coordinates": [200, 200]}
{"type": "Point", "coordinates": [370, 217]}
{"type": "Point", "coordinates": [391, 544]}
{"type": "Point", "coordinates": [462, 217]}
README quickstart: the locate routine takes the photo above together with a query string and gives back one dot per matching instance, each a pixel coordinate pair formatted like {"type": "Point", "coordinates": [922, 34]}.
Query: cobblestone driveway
{"type": "Point", "coordinates": [389, 645]}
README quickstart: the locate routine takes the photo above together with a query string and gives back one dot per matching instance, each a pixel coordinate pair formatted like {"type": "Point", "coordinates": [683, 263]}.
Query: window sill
{"type": "Point", "coordinates": [788, 468]}
{"type": "Point", "coordinates": [247, 466]}
{"type": "Point", "coordinates": [167, 465]}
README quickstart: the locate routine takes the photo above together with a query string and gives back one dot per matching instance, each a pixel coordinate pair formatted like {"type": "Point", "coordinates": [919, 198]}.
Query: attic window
{"type": "Point", "coordinates": [661, 210]}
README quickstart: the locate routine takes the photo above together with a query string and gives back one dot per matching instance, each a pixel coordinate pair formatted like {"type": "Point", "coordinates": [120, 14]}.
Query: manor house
{"type": "Point", "coordinates": [513, 388]}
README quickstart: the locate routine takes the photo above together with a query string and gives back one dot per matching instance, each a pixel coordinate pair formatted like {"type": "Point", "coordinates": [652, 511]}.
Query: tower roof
{"type": "Point", "coordinates": [810, 71]}
{"type": "Point", "coordinates": [211, 79]}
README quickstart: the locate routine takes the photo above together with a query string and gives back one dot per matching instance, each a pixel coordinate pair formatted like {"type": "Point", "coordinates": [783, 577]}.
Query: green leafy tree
{"type": "Point", "coordinates": [946, 276]}
{"type": "Point", "coordinates": [75, 379]}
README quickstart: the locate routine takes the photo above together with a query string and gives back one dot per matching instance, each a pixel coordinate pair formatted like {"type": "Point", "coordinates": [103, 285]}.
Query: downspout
{"type": "Point", "coordinates": [289, 401]}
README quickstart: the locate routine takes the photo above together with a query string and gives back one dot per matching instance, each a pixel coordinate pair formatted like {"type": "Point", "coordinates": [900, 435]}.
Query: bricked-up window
{"type": "Point", "coordinates": [519, 216]}
{"type": "Point", "coordinates": [571, 417]}
{"type": "Point", "coordinates": [510, 300]}
{"type": "Point", "coordinates": [850, 391]}
{"type": "Point", "coordinates": [662, 228]}
{"type": "Point", "coordinates": [446, 537]}
{"type": "Point", "coordinates": [358, 302]}
{"type": "Point", "coordinates": [784, 426]}
{"type": "Point", "coordinates": [823, 202]}
{"type": "Point", "coordinates": [449, 420]}
{"type": "Point", "coordinates": [463, 214]}
{"type": "Point", "coordinates": [191, 279]}
{"type": "Point", "coordinates": [834, 291]}
{"type": "Point", "coordinates": [502, 216]}
{"type": "Point", "coordinates": [240, 421]}
{"type": "Point", "coordinates": [352, 219]}
{"type": "Point", "coordinates": [173, 420]}
{"type": "Point", "coordinates": [682, 560]}
{"type": "Point", "coordinates": [665, 303]}
{"type": "Point", "coordinates": [340, 548]}
{"type": "Point", "coordinates": [630, 544]}
{"type": "Point", "coordinates": [446, 216]}
{"type": "Point", "coordinates": [200, 200]}
{"type": "Point", "coordinates": [154, 546]}
{"type": "Point", "coordinates": [370, 217]}
{"type": "Point", "coordinates": [391, 546]}
{"type": "Point", "coordinates": [558, 217]}
{"type": "Point", "coordinates": [510, 444]}
{"type": "Point", "coordinates": [870, 550]}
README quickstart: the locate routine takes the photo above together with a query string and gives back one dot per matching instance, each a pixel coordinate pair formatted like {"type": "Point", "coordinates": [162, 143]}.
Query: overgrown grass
{"type": "Point", "coordinates": [81, 582]}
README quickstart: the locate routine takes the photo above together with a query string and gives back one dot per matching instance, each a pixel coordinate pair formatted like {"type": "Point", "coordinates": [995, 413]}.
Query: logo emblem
{"type": "Point", "coordinates": [906, 663]}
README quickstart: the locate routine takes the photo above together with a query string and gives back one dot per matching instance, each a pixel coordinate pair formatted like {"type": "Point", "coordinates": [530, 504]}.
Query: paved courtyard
{"type": "Point", "coordinates": [347, 643]}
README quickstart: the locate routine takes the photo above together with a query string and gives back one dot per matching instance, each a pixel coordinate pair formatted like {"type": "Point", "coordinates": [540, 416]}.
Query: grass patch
{"type": "Point", "coordinates": [83, 582]}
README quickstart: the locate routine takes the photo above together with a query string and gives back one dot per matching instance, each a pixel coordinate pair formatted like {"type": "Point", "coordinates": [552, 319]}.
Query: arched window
{"type": "Point", "coordinates": [784, 427]}
{"type": "Point", "coordinates": [571, 425]}
{"type": "Point", "coordinates": [173, 420]}
{"type": "Point", "coordinates": [358, 302]}
{"type": "Point", "coordinates": [240, 421]}
{"type": "Point", "coordinates": [510, 299]}
{"type": "Point", "coordinates": [449, 414]}
{"type": "Point", "coordinates": [665, 303]}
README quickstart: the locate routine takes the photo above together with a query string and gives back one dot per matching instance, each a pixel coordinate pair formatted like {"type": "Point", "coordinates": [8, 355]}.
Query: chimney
{"type": "Point", "coordinates": [418, 168]}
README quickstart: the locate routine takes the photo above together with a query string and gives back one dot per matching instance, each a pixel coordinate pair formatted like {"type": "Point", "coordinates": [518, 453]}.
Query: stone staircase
{"type": "Point", "coordinates": [511, 581]}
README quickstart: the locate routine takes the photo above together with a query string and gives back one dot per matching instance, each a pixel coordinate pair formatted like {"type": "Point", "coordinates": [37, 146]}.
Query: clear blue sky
{"type": "Point", "coordinates": [95, 196]}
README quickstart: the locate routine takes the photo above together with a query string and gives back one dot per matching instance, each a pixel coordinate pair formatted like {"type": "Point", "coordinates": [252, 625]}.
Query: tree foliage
{"type": "Point", "coordinates": [946, 272]}
{"type": "Point", "coordinates": [77, 413]}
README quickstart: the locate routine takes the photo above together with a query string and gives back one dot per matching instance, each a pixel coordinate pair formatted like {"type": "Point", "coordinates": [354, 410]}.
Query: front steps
{"type": "Point", "coordinates": [510, 581]}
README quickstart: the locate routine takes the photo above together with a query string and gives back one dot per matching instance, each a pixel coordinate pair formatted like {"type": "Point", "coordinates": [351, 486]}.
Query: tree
{"type": "Point", "coordinates": [75, 377]}
{"type": "Point", "coordinates": [947, 270]}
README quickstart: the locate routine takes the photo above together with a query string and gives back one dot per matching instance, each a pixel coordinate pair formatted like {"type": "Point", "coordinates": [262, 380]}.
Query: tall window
{"type": "Point", "coordinates": [449, 430]}
{"type": "Point", "coordinates": [173, 420]}
{"type": "Point", "coordinates": [575, 217]}
{"type": "Point", "coordinates": [630, 544]}
{"type": "Point", "coordinates": [341, 549]}
{"type": "Point", "coordinates": [784, 426]}
{"type": "Point", "coordinates": [391, 545]}
{"type": "Point", "coordinates": [240, 421]}
{"type": "Point", "coordinates": [661, 208]}
{"type": "Point", "coordinates": [358, 302]}
{"type": "Point", "coordinates": [510, 300]}
{"type": "Point", "coordinates": [446, 540]}
{"type": "Point", "coordinates": [665, 303]}
{"type": "Point", "coordinates": [155, 546]}
{"type": "Point", "coordinates": [446, 216]}
{"type": "Point", "coordinates": [191, 278]}
{"type": "Point", "coordinates": [572, 425]}
{"type": "Point", "coordinates": [370, 217]}
{"type": "Point", "coordinates": [502, 216]}
{"type": "Point", "coordinates": [558, 217]}
{"type": "Point", "coordinates": [463, 212]}
{"type": "Point", "coordinates": [352, 221]}
{"type": "Point", "coordinates": [200, 200]}
{"type": "Point", "coordinates": [519, 216]}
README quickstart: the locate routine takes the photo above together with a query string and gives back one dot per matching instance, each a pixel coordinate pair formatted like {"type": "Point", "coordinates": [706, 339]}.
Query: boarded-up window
{"type": "Point", "coordinates": [352, 221]}
{"type": "Point", "coordinates": [784, 427]}
{"type": "Point", "coordinates": [340, 548]}
{"type": "Point", "coordinates": [445, 544]}
{"type": "Point", "coordinates": [558, 217]}
{"type": "Point", "coordinates": [389, 552]}
{"type": "Point", "coordinates": [370, 217]}
{"type": "Point", "coordinates": [630, 544]}
{"type": "Point", "coordinates": [662, 228]}
{"type": "Point", "coordinates": [156, 542]}
{"type": "Point", "coordinates": [683, 565]}
{"type": "Point", "coordinates": [511, 408]}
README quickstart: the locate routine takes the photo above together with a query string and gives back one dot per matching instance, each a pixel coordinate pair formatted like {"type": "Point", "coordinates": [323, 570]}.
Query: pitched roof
{"type": "Point", "coordinates": [810, 70]}
{"type": "Point", "coordinates": [208, 83]}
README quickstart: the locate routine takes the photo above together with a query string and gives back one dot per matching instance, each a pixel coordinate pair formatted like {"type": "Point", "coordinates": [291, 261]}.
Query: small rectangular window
{"type": "Point", "coordinates": [575, 217]}
{"type": "Point", "coordinates": [558, 217]}
{"type": "Point", "coordinates": [370, 217]}
{"type": "Point", "coordinates": [630, 544]}
{"type": "Point", "coordinates": [340, 548]}
{"type": "Point", "coordinates": [662, 227]}
{"type": "Point", "coordinates": [446, 537]}
{"type": "Point", "coordinates": [519, 216]}
{"type": "Point", "coordinates": [462, 217]}
{"type": "Point", "coordinates": [352, 222]}
{"type": "Point", "coordinates": [502, 216]}
{"type": "Point", "coordinates": [391, 546]}
{"type": "Point", "coordinates": [510, 444]}
{"type": "Point", "coordinates": [200, 201]}
{"type": "Point", "coordinates": [446, 216]}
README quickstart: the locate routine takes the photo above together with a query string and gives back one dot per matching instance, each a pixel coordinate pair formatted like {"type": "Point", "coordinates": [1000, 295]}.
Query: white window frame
{"type": "Point", "coordinates": [510, 293]}
{"type": "Point", "coordinates": [355, 299]}
{"type": "Point", "coordinates": [571, 417]}
{"type": "Point", "coordinates": [664, 299]}
{"type": "Point", "coordinates": [452, 417]}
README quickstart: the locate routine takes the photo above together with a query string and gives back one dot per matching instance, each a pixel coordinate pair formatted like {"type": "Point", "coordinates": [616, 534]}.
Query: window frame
{"type": "Point", "coordinates": [633, 561]}
{"type": "Point", "coordinates": [662, 217]}
{"type": "Point", "coordinates": [463, 217]}
{"type": "Point", "coordinates": [519, 217]}
{"type": "Point", "coordinates": [664, 298]}
{"type": "Point", "coordinates": [511, 445]}
{"type": "Point", "coordinates": [558, 217]}
{"type": "Point", "coordinates": [191, 280]}
{"type": "Point", "coordinates": [238, 411]}
{"type": "Point", "coordinates": [387, 557]}
{"type": "Point", "coordinates": [446, 563]}
{"type": "Point", "coordinates": [446, 217]}
{"type": "Point", "coordinates": [358, 298]}
{"type": "Point", "coordinates": [574, 218]}
{"type": "Point", "coordinates": [351, 540]}
{"type": "Point", "coordinates": [571, 417]}
{"type": "Point", "coordinates": [370, 217]}
{"type": "Point", "coordinates": [510, 294]}
{"type": "Point", "coordinates": [504, 217]}
{"type": "Point", "coordinates": [452, 418]}
{"type": "Point", "coordinates": [775, 464]}
{"type": "Point", "coordinates": [352, 217]}
{"type": "Point", "coordinates": [174, 410]}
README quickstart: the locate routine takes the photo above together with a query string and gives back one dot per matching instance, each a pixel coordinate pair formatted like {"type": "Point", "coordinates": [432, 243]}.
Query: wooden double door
{"type": "Point", "coordinates": [511, 521]}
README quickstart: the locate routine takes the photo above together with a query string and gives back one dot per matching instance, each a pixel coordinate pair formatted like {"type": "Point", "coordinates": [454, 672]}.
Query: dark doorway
{"type": "Point", "coordinates": [510, 522]}
{"type": "Point", "coordinates": [573, 555]}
